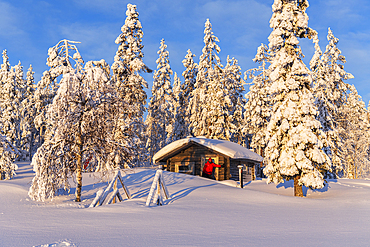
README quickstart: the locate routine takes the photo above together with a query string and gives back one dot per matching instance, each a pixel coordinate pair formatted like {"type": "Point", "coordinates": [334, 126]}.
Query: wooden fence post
{"type": "Point", "coordinates": [159, 200]}
{"type": "Point", "coordinates": [102, 194]}
{"type": "Point", "coordinates": [240, 175]}
{"type": "Point", "coordinates": [114, 189]}
{"type": "Point", "coordinates": [155, 190]}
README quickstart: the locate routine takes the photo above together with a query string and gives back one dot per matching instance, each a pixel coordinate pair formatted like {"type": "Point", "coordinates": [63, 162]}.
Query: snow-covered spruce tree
{"type": "Point", "coordinates": [368, 132]}
{"type": "Point", "coordinates": [355, 136]}
{"type": "Point", "coordinates": [187, 88]}
{"type": "Point", "coordinates": [160, 118]}
{"type": "Point", "coordinates": [5, 66]}
{"type": "Point", "coordinates": [217, 107]}
{"type": "Point", "coordinates": [234, 85]}
{"type": "Point", "coordinates": [176, 89]}
{"type": "Point", "coordinates": [14, 91]}
{"type": "Point", "coordinates": [63, 58]}
{"type": "Point", "coordinates": [368, 111]}
{"type": "Point", "coordinates": [128, 63]}
{"type": "Point", "coordinates": [238, 135]}
{"type": "Point", "coordinates": [209, 102]}
{"type": "Point", "coordinates": [258, 107]}
{"type": "Point", "coordinates": [4, 71]}
{"type": "Point", "coordinates": [82, 120]}
{"type": "Point", "coordinates": [8, 154]}
{"type": "Point", "coordinates": [10, 98]}
{"type": "Point", "coordinates": [197, 125]}
{"type": "Point", "coordinates": [180, 129]}
{"type": "Point", "coordinates": [28, 113]}
{"type": "Point", "coordinates": [330, 92]}
{"type": "Point", "coordinates": [294, 150]}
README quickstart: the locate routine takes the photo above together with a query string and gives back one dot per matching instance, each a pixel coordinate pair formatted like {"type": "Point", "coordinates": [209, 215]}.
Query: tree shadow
{"type": "Point", "coordinates": [138, 184]}
{"type": "Point", "coordinates": [138, 177]}
{"type": "Point", "coordinates": [170, 178]}
{"type": "Point", "coordinates": [141, 193]}
{"type": "Point", "coordinates": [247, 183]}
{"type": "Point", "coordinates": [142, 177]}
{"type": "Point", "coordinates": [290, 184]}
{"type": "Point", "coordinates": [25, 170]}
{"type": "Point", "coordinates": [325, 188]}
{"type": "Point", "coordinates": [184, 192]}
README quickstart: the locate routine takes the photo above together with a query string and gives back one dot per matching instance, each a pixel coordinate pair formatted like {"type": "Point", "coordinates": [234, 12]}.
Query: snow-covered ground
{"type": "Point", "coordinates": [201, 213]}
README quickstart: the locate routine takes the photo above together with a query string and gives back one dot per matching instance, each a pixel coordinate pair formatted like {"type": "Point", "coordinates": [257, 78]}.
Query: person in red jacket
{"type": "Point", "coordinates": [208, 169]}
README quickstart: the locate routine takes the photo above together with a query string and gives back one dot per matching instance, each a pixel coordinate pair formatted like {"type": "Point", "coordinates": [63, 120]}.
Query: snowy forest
{"type": "Point", "coordinates": [307, 121]}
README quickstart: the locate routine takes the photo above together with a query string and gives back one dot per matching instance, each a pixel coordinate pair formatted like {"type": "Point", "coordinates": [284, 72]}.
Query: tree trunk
{"type": "Point", "coordinates": [79, 168]}
{"type": "Point", "coordinates": [31, 143]}
{"type": "Point", "coordinates": [297, 188]}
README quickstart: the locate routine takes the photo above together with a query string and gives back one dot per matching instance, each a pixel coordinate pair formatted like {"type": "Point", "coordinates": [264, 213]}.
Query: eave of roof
{"type": "Point", "coordinates": [227, 148]}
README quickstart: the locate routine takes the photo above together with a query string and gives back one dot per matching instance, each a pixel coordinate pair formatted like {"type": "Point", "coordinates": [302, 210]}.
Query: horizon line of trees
{"type": "Point", "coordinates": [307, 123]}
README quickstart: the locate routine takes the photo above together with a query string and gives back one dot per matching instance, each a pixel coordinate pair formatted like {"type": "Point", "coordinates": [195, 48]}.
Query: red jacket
{"type": "Point", "coordinates": [208, 167]}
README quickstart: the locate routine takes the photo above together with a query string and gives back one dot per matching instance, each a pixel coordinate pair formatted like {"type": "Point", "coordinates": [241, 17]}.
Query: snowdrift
{"type": "Point", "coordinates": [201, 212]}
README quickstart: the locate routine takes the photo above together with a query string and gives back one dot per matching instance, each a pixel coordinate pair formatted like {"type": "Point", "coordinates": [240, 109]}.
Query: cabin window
{"type": "Point", "coordinates": [184, 167]}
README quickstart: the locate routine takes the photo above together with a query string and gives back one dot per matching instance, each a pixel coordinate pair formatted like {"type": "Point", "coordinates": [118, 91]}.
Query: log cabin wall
{"type": "Point", "coordinates": [248, 170]}
{"type": "Point", "coordinates": [194, 154]}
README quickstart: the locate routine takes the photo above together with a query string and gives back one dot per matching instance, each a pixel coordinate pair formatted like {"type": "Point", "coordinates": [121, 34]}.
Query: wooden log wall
{"type": "Point", "coordinates": [194, 154]}
{"type": "Point", "coordinates": [248, 171]}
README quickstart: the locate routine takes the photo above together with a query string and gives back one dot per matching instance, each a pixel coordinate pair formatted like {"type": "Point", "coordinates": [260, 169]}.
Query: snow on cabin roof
{"type": "Point", "coordinates": [230, 149]}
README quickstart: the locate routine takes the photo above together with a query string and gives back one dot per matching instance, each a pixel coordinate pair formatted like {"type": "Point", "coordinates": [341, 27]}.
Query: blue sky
{"type": "Point", "coordinates": [28, 28]}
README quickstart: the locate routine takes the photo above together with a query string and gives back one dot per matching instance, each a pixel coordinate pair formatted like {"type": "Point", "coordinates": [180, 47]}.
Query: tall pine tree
{"type": "Point", "coordinates": [160, 108]}
{"type": "Point", "coordinates": [294, 150]}
{"type": "Point", "coordinates": [216, 113]}
{"type": "Point", "coordinates": [10, 100]}
{"type": "Point", "coordinates": [180, 129]}
{"type": "Point", "coordinates": [128, 63]}
{"type": "Point", "coordinates": [190, 75]}
{"type": "Point", "coordinates": [258, 107]}
{"type": "Point", "coordinates": [8, 154]}
{"type": "Point", "coordinates": [330, 92]}
{"type": "Point", "coordinates": [209, 100]}
{"type": "Point", "coordinates": [234, 85]}
{"type": "Point", "coordinates": [28, 113]}
{"type": "Point", "coordinates": [355, 137]}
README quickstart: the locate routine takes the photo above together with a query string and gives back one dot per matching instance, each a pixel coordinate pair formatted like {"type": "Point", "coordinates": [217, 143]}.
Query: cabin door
{"type": "Point", "coordinates": [204, 161]}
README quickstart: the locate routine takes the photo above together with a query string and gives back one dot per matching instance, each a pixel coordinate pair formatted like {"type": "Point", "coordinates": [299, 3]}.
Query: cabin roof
{"type": "Point", "coordinates": [227, 148]}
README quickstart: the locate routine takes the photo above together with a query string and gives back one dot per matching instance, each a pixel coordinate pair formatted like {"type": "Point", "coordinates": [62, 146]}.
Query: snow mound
{"type": "Point", "coordinates": [337, 215]}
{"type": "Point", "coordinates": [63, 243]}
{"type": "Point", "coordinates": [231, 183]}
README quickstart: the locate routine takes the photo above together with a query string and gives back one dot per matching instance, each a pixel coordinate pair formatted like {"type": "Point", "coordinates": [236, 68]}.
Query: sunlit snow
{"type": "Point", "coordinates": [202, 212]}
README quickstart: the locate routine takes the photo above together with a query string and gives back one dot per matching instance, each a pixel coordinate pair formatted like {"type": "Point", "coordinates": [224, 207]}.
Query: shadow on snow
{"type": "Point", "coordinates": [184, 192]}
{"type": "Point", "coordinates": [290, 184]}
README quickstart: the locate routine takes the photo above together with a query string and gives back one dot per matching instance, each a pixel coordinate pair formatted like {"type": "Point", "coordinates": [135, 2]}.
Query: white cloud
{"type": "Point", "coordinates": [9, 23]}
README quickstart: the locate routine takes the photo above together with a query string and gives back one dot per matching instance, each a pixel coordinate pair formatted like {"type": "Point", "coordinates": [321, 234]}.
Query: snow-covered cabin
{"type": "Point", "coordinates": [189, 155]}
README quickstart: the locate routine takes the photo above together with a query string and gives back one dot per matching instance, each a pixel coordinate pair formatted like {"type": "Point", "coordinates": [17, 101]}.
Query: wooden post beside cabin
{"type": "Point", "coordinates": [241, 180]}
